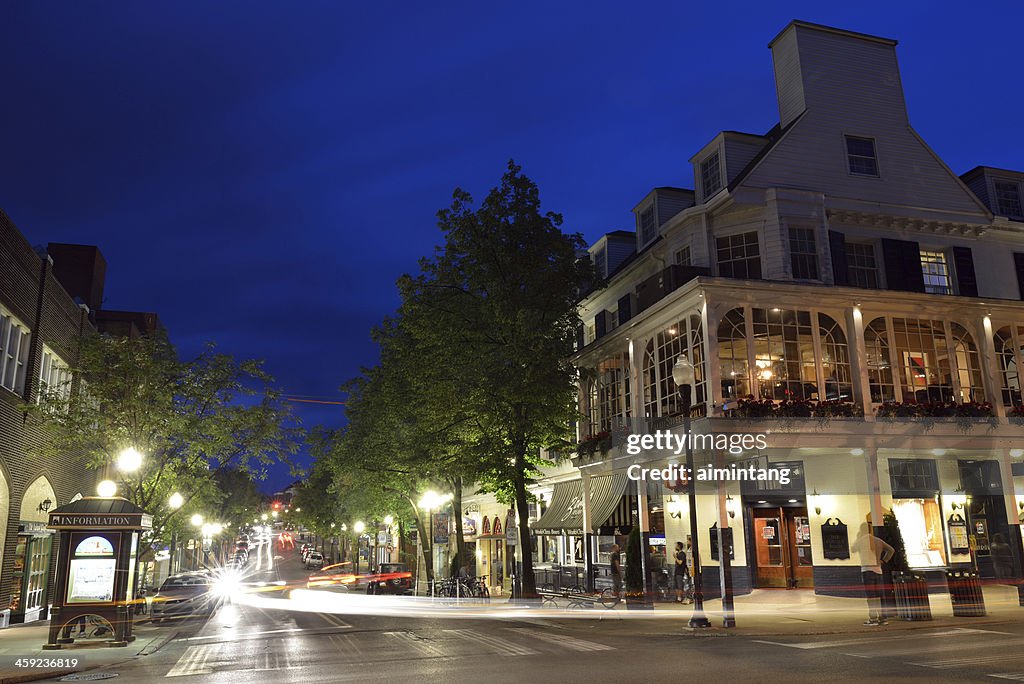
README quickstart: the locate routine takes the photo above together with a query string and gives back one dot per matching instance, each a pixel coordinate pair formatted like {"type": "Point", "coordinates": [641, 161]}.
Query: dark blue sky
{"type": "Point", "coordinates": [260, 174]}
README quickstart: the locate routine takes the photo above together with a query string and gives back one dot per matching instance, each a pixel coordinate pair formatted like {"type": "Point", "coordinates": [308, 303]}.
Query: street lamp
{"type": "Point", "coordinates": [176, 501]}
{"type": "Point", "coordinates": [683, 375]}
{"type": "Point", "coordinates": [106, 489]}
{"type": "Point", "coordinates": [389, 520]}
{"type": "Point", "coordinates": [129, 460]}
{"type": "Point", "coordinates": [263, 517]}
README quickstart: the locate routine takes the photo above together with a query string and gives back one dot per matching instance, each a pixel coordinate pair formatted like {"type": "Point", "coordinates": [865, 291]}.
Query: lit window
{"type": "Point", "coordinates": [860, 153]}
{"type": "Point", "coordinates": [1009, 343]}
{"type": "Point", "coordinates": [803, 253]}
{"type": "Point", "coordinates": [739, 256]}
{"type": "Point", "coordinates": [936, 273]}
{"type": "Point", "coordinates": [14, 345]}
{"type": "Point", "coordinates": [661, 397]}
{"type": "Point", "coordinates": [920, 521]}
{"type": "Point", "coordinates": [648, 228]}
{"type": "Point", "coordinates": [861, 265]}
{"type": "Point", "coordinates": [54, 377]}
{"type": "Point", "coordinates": [710, 175]}
{"type": "Point", "coordinates": [1008, 198]}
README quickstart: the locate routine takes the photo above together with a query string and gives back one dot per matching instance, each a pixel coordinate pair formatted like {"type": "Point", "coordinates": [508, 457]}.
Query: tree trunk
{"type": "Point", "coordinates": [425, 542]}
{"type": "Point", "coordinates": [461, 556]}
{"type": "Point", "coordinates": [529, 583]}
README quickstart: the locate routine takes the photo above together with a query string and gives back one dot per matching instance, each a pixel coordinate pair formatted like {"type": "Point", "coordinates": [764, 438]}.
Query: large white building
{"type": "Point", "coordinates": [833, 265]}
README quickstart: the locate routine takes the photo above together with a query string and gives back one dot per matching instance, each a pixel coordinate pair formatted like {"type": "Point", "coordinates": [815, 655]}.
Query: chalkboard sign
{"type": "Point", "coordinates": [727, 535]}
{"type": "Point", "coordinates": [958, 534]}
{"type": "Point", "coordinates": [835, 541]}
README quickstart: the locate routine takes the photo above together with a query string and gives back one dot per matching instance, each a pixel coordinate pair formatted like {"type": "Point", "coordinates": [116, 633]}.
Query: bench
{"type": "Point", "coordinates": [578, 598]}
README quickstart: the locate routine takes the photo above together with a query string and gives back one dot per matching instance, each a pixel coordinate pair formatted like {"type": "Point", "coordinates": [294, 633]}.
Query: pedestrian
{"type": "Point", "coordinates": [616, 571]}
{"type": "Point", "coordinates": [680, 572]}
{"type": "Point", "coordinates": [872, 552]}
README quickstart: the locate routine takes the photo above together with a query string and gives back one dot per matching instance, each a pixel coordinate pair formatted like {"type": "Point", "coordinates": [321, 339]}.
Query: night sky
{"type": "Point", "coordinates": [259, 174]}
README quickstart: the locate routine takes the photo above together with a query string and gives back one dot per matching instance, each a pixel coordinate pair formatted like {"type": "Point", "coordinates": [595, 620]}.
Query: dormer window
{"type": "Point", "coordinates": [648, 227]}
{"type": "Point", "coordinates": [600, 267]}
{"type": "Point", "coordinates": [710, 175]}
{"type": "Point", "coordinates": [1008, 198]}
{"type": "Point", "coordinates": [860, 154]}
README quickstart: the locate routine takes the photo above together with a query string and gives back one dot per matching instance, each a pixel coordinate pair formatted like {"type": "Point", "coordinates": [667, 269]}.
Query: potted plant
{"type": "Point", "coordinates": [634, 579]}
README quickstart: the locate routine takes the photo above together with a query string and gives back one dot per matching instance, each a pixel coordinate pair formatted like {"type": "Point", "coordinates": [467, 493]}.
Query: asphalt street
{"type": "Point", "coordinates": [266, 637]}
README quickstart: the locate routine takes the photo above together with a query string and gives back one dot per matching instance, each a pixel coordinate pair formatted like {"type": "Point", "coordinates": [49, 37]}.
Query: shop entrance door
{"type": "Point", "coordinates": [782, 543]}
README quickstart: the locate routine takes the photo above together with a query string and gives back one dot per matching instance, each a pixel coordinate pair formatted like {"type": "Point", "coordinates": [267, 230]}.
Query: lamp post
{"type": "Point", "coordinates": [197, 522]}
{"type": "Point", "coordinates": [358, 529]}
{"type": "Point", "coordinates": [683, 375]}
{"type": "Point", "coordinates": [175, 502]}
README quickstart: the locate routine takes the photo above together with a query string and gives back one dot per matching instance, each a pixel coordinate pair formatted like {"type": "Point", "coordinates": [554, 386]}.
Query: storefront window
{"type": "Point", "coordinates": [920, 522]}
{"type": "Point", "coordinates": [732, 355]}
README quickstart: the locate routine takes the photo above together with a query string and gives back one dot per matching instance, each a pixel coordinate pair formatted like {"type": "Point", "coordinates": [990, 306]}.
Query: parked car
{"type": "Point", "coordinates": [314, 559]}
{"type": "Point", "coordinates": [390, 578]}
{"type": "Point", "coordinates": [184, 595]}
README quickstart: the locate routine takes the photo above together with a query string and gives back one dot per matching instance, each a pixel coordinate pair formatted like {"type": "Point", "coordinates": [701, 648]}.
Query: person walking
{"type": "Point", "coordinates": [680, 572]}
{"type": "Point", "coordinates": [872, 552]}
{"type": "Point", "coordinates": [616, 571]}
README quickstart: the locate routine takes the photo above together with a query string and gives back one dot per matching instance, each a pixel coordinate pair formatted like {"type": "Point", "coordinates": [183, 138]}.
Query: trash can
{"type": "Point", "coordinates": [5, 618]}
{"type": "Point", "coordinates": [911, 597]}
{"type": "Point", "coordinates": [965, 593]}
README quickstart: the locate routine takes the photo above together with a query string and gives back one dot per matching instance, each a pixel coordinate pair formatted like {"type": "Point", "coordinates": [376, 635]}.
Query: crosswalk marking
{"type": "Point", "coordinates": [192, 662]}
{"type": "Point", "coordinates": [499, 646]}
{"type": "Point", "coordinates": [562, 640]}
{"type": "Point", "coordinates": [333, 619]}
{"type": "Point", "coordinates": [956, 631]}
{"type": "Point", "coordinates": [967, 660]}
{"type": "Point", "coordinates": [421, 646]}
{"type": "Point", "coordinates": [1015, 676]}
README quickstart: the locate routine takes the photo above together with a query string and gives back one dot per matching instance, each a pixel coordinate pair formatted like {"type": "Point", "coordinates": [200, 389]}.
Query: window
{"type": "Point", "coordinates": [54, 377]}
{"type": "Point", "coordinates": [1010, 354]}
{"type": "Point", "coordinates": [909, 476]}
{"type": "Point", "coordinates": [661, 397]}
{"type": "Point", "coordinates": [710, 176]}
{"type": "Point", "coordinates": [1008, 198]}
{"type": "Point", "coordinates": [683, 256]}
{"type": "Point", "coordinates": [14, 344]}
{"type": "Point", "coordinates": [648, 228]}
{"type": "Point", "coordinates": [803, 253]}
{"type": "Point", "coordinates": [920, 521]}
{"type": "Point", "coordinates": [732, 356]}
{"type": "Point", "coordinates": [609, 394]}
{"type": "Point", "coordinates": [860, 152]}
{"type": "Point", "coordinates": [936, 273]}
{"type": "Point", "coordinates": [861, 265]}
{"type": "Point", "coordinates": [739, 256]}
{"type": "Point", "coordinates": [929, 370]}
{"type": "Point", "coordinates": [599, 263]}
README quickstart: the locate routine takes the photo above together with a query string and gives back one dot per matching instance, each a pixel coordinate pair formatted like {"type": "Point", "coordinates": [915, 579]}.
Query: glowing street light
{"type": "Point", "coordinates": [216, 528]}
{"type": "Point", "coordinates": [274, 513]}
{"type": "Point", "coordinates": [197, 520]}
{"type": "Point", "coordinates": [129, 460]}
{"type": "Point", "coordinates": [359, 527]}
{"type": "Point", "coordinates": [106, 489]}
{"type": "Point", "coordinates": [176, 501]}
{"type": "Point", "coordinates": [263, 517]}
{"type": "Point", "coordinates": [389, 520]}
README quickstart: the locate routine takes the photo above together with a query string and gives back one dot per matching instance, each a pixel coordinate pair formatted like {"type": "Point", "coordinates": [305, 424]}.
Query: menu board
{"type": "Point", "coordinates": [958, 542]}
{"type": "Point", "coordinates": [835, 540]}
{"type": "Point", "coordinates": [91, 580]}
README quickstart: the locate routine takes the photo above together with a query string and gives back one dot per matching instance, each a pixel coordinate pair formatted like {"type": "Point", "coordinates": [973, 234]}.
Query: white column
{"type": "Point", "coordinates": [874, 488]}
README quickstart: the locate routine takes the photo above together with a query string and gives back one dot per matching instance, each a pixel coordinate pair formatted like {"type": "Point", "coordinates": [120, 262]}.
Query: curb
{"type": "Point", "coordinates": [36, 676]}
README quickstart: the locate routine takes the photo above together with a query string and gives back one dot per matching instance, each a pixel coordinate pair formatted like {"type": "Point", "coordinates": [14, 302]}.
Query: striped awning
{"type": "Point", "coordinates": [565, 514]}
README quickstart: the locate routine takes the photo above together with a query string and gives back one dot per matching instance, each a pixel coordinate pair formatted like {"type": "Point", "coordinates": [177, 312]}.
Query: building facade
{"type": "Point", "coordinates": [841, 293]}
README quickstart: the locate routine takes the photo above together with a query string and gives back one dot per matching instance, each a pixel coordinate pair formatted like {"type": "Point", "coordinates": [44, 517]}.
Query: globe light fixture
{"type": "Point", "coordinates": [389, 520]}
{"type": "Point", "coordinates": [274, 513]}
{"type": "Point", "coordinates": [263, 517]}
{"type": "Point", "coordinates": [129, 460]}
{"type": "Point", "coordinates": [216, 528]}
{"type": "Point", "coordinates": [344, 527]}
{"type": "Point", "coordinates": [176, 501]}
{"type": "Point", "coordinates": [197, 520]}
{"type": "Point", "coordinates": [106, 489]}
{"type": "Point", "coordinates": [359, 527]}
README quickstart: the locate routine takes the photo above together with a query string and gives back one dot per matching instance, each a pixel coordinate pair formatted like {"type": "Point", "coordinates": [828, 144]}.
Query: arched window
{"type": "Point", "coordinates": [784, 354]}
{"type": "Point", "coordinates": [732, 356]}
{"type": "Point", "coordinates": [497, 526]}
{"type": "Point", "coordinates": [876, 347]}
{"type": "Point", "coordinates": [661, 396]}
{"type": "Point", "coordinates": [611, 393]}
{"type": "Point", "coordinates": [593, 408]}
{"type": "Point", "coordinates": [835, 359]}
{"type": "Point", "coordinates": [928, 367]}
{"type": "Point", "coordinates": [485, 528]}
{"type": "Point", "coordinates": [1009, 354]}
{"type": "Point", "coordinates": [968, 364]}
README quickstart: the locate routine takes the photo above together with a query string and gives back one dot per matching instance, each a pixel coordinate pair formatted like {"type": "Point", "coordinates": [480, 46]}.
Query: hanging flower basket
{"type": "Point", "coordinates": [591, 444]}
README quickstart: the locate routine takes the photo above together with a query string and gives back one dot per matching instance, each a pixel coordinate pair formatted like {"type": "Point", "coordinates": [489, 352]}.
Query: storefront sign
{"type": "Point", "coordinates": [835, 540]}
{"type": "Point", "coordinates": [469, 526]}
{"type": "Point", "coordinates": [958, 542]}
{"type": "Point", "coordinates": [73, 521]}
{"type": "Point", "coordinates": [441, 528]}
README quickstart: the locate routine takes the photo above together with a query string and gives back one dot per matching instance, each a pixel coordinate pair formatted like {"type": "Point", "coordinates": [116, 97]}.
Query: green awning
{"type": "Point", "coordinates": [565, 514]}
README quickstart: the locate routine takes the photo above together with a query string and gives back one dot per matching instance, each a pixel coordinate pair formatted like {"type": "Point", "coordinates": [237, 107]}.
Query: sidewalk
{"type": "Point", "coordinates": [800, 612]}
{"type": "Point", "coordinates": [26, 641]}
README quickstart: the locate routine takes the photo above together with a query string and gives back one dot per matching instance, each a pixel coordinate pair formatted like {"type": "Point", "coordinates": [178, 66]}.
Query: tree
{"type": "Point", "coordinates": [501, 298]}
{"type": "Point", "coordinates": [199, 423]}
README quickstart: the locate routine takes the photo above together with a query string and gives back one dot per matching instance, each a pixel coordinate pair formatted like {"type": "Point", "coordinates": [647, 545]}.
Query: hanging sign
{"type": "Point", "coordinates": [958, 542]}
{"type": "Point", "coordinates": [835, 540]}
{"type": "Point", "coordinates": [511, 535]}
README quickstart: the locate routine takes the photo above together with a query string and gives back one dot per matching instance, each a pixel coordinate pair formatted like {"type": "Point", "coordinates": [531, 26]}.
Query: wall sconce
{"type": "Point", "coordinates": [816, 501]}
{"type": "Point", "coordinates": [44, 505]}
{"type": "Point", "coordinates": [730, 506]}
